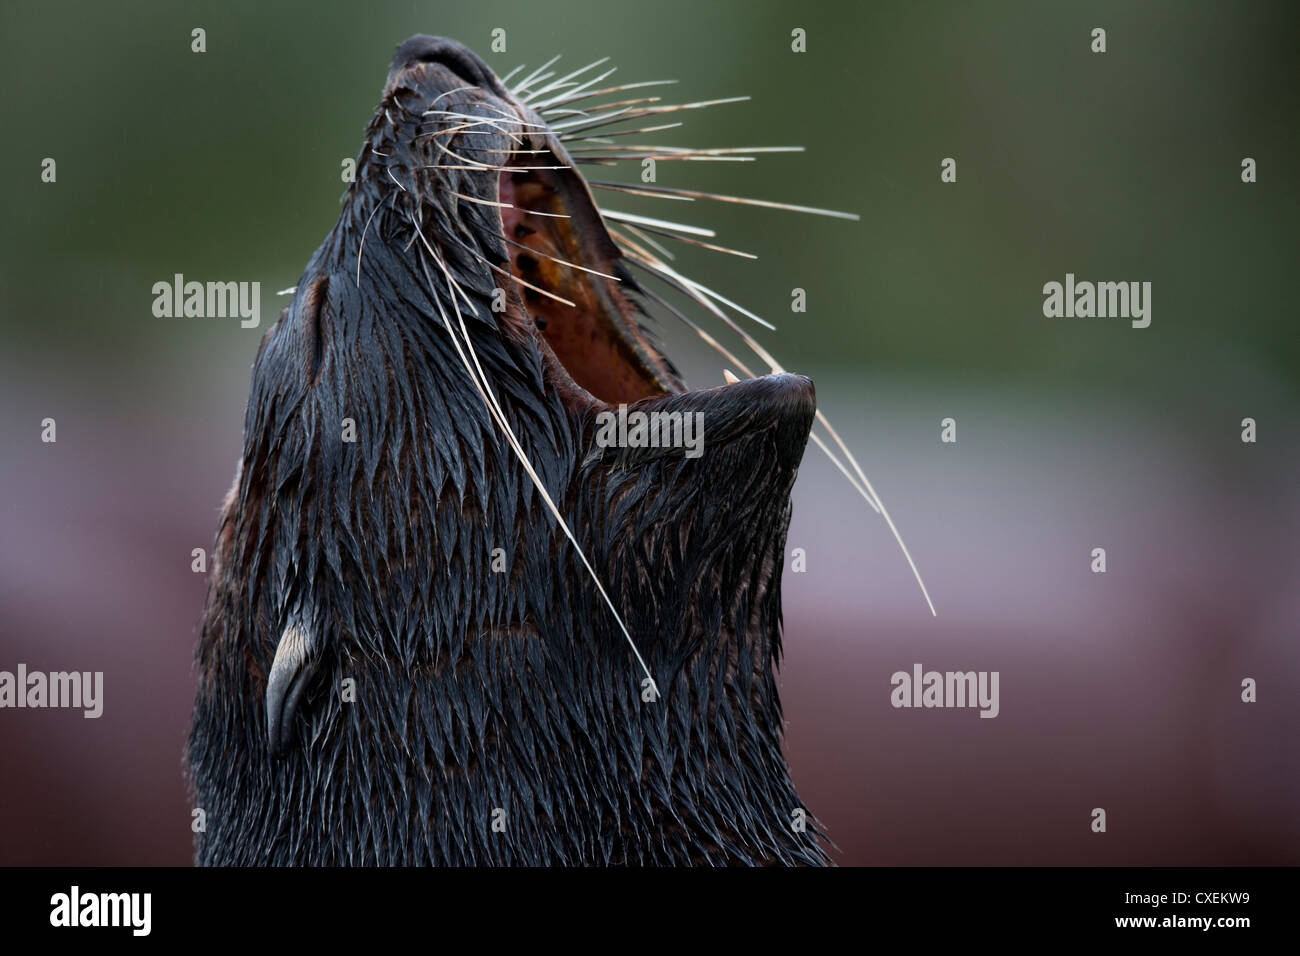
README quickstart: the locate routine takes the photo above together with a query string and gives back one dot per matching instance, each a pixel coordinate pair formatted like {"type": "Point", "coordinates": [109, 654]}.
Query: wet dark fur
{"type": "Point", "coordinates": [478, 690]}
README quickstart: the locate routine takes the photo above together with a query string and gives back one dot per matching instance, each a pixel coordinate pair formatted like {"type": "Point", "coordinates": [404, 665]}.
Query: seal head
{"type": "Point", "coordinates": [450, 619]}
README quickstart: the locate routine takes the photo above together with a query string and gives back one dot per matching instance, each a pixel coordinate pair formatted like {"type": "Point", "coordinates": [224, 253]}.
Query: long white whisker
{"type": "Point", "coordinates": [648, 240]}
{"type": "Point", "coordinates": [567, 99]}
{"type": "Point", "coordinates": [573, 127]}
{"type": "Point", "coordinates": [689, 151]}
{"type": "Point", "coordinates": [602, 159]}
{"type": "Point", "coordinates": [661, 223]}
{"type": "Point", "coordinates": [642, 129]}
{"type": "Point", "coordinates": [744, 201]}
{"type": "Point", "coordinates": [473, 163]}
{"type": "Point", "coordinates": [576, 124]}
{"type": "Point", "coordinates": [482, 120]}
{"type": "Point", "coordinates": [458, 89]}
{"type": "Point", "coordinates": [498, 169]}
{"type": "Point", "coordinates": [562, 81]}
{"type": "Point", "coordinates": [634, 190]}
{"type": "Point", "coordinates": [532, 77]}
{"type": "Point", "coordinates": [361, 249]}
{"type": "Point", "coordinates": [547, 95]}
{"type": "Point", "coordinates": [599, 109]}
{"type": "Point", "coordinates": [727, 354]}
{"type": "Point", "coordinates": [642, 232]}
{"type": "Point", "coordinates": [574, 94]}
{"type": "Point", "coordinates": [564, 262]}
{"type": "Point", "coordinates": [775, 366]}
{"type": "Point", "coordinates": [511, 276]}
{"type": "Point", "coordinates": [485, 390]}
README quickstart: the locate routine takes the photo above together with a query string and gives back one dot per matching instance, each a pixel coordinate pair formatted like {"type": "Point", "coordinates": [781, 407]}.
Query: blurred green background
{"type": "Point", "coordinates": [1116, 166]}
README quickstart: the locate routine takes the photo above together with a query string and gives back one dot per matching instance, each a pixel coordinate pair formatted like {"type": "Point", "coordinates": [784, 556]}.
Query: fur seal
{"type": "Point", "coordinates": [445, 625]}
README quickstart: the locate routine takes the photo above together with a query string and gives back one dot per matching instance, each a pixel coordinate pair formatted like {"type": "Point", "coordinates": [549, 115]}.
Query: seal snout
{"type": "Point", "coordinates": [460, 60]}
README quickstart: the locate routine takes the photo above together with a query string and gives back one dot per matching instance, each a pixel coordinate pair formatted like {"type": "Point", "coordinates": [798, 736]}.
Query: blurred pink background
{"type": "Point", "coordinates": [1118, 690]}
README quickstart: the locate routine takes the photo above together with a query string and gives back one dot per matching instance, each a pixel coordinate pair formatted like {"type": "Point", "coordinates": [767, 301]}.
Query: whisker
{"type": "Point", "coordinates": [689, 285]}
{"type": "Point", "coordinates": [566, 100]}
{"type": "Point", "coordinates": [635, 190]}
{"type": "Point", "coordinates": [688, 151]}
{"type": "Point", "coordinates": [464, 159]}
{"type": "Point", "coordinates": [634, 132]}
{"type": "Point", "coordinates": [695, 242]}
{"type": "Point", "coordinates": [482, 202]}
{"type": "Point", "coordinates": [597, 111]}
{"type": "Point", "coordinates": [617, 236]}
{"type": "Point", "coordinates": [565, 79]}
{"type": "Point", "coordinates": [533, 76]}
{"type": "Point", "coordinates": [542, 79]}
{"type": "Point", "coordinates": [486, 120]}
{"type": "Point", "coordinates": [603, 160]}
{"type": "Point", "coordinates": [725, 301]}
{"type": "Point", "coordinates": [727, 354]}
{"type": "Point", "coordinates": [466, 131]}
{"type": "Point", "coordinates": [564, 262]}
{"type": "Point", "coordinates": [601, 107]}
{"type": "Point", "coordinates": [775, 366]}
{"type": "Point", "coordinates": [361, 249]}
{"type": "Point", "coordinates": [458, 89]}
{"type": "Point", "coordinates": [510, 275]}
{"type": "Point", "coordinates": [494, 408]}
{"type": "Point", "coordinates": [497, 169]}
{"type": "Point", "coordinates": [576, 126]}
{"type": "Point", "coordinates": [574, 93]}
{"type": "Point", "coordinates": [661, 223]}
{"type": "Point", "coordinates": [510, 117]}
{"type": "Point", "coordinates": [485, 166]}
{"type": "Point", "coordinates": [560, 84]}
{"type": "Point", "coordinates": [741, 200]}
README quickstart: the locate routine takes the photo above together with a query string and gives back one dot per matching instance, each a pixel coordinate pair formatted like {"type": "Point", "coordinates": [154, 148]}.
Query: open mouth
{"type": "Point", "coordinates": [570, 268]}
{"type": "Point", "coordinates": [573, 282]}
